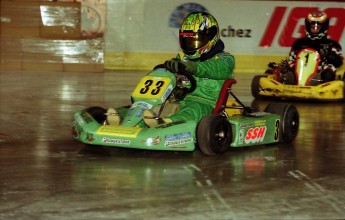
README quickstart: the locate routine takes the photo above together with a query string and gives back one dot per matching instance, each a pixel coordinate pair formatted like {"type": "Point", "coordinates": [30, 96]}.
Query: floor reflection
{"type": "Point", "coordinates": [151, 169]}
{"type": "Point", "coordinates": [320, 137]}
{"type": "Point", "coordinates": [45, 174]}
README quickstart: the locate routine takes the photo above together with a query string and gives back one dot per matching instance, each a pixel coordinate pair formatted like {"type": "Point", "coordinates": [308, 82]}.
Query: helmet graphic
{"type": "Point", "coordinates": [316, 24]}
{"type": "Point", "coordinates": [199, 32]}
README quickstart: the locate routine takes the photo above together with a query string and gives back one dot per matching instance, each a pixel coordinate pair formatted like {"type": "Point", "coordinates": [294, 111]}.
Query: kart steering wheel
{"type": "Point", "coordinates": [180, 91]}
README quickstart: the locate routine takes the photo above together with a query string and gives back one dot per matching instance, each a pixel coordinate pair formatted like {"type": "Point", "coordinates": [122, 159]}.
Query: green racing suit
{"type": "Point", "coordinates": [212, 70]}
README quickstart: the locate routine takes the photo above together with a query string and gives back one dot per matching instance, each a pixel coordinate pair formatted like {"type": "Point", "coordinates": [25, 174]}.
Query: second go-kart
{"type": "Point", "coordinates": [231, 124]}
{"type": "Point", "coordinates": [305, 83]}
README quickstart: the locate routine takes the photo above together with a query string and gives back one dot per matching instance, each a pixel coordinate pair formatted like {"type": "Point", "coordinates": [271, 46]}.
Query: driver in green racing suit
{"type": "Point", "coordinates": [202, 55]}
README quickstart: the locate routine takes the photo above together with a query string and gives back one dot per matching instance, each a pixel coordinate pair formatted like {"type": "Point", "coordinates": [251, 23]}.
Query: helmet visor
{"type": "Point", "coordinates": [315, 28]}
{"type": "Point", "coordinates": [190, 41]}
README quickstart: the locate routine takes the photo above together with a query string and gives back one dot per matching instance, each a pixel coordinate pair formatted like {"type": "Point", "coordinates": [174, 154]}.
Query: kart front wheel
{"type": "Point", "coordinates": [214, 135]}
{"type": "Point", "coordinates": [289, 122]}
{"type": "Point", "coordinates": [98, 113]}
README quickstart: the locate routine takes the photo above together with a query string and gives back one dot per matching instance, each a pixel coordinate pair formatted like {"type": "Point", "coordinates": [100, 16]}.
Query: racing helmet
{"type": "Point", "coordinates": [199, 32]}
{"type": "Point", "coordinates": [316, 24]}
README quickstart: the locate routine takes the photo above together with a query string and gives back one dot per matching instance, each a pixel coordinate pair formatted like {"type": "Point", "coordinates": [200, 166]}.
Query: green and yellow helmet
{"type": "Point", "coordinates": [199, 32]}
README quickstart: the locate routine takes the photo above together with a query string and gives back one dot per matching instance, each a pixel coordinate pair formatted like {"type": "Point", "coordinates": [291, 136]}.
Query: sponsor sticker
{"type": "Point", "coordinates": [78, 119]}
{"type": "Point", "coordinates": [115, 141]}
{"type": "Point", "coordinates": [255, 135]}
{"type": "Point", "coordinates": [177, 139]}
{"type": "Point", "coordinates": [153, 141]}
{"type": "Point", "coordinates": [260, 123]}
{"type": "Point", "coordinates": [167, 92]}
{"type": "Point", "coordinates": [247, 125]}
{"type": "Point", "coordinates": [144, 105]}
{"type": "Point", "coordinates": [241, 136]}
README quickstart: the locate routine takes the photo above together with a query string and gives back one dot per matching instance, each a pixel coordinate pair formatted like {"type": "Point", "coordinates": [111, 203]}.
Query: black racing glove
{"type": "Point", "coordinates": [177, 66]}
{"type": "Point", "coordinates": [335, 59]}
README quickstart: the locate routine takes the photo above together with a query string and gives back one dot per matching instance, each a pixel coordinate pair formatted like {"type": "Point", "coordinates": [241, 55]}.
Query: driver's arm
{"type": "Point", "coordinates": [220, 66]}
{"type": "Point", "coordinates": [335, 56]}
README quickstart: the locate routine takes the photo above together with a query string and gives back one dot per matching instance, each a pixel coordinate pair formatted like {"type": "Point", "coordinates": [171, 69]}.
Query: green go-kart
{"type": "Point", "coordinates": [231, 124]}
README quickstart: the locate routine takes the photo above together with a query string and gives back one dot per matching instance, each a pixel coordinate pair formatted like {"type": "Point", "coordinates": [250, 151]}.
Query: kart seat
{"type": "Point", "coordinates": [223, 96]}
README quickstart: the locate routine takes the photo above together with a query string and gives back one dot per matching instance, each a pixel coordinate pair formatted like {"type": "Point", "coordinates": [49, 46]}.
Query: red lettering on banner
{"type": "Point", "coordinates": [336, 30]}
{"type": "Point", "coordinates": [273, 26]}
{"type": "Point", "coordinates": [291, 28]}
{"type": "Point", "coordinates": [286, 38]}
{"type": "Point", "coordinates": [255, 134]}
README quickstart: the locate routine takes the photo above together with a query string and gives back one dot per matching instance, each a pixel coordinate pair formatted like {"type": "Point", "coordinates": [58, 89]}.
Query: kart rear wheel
{"type": "Point", "coordinates": [214, 135]}
{"type": "Point", "coordinates": [289, 122]}
{"type": "Point", "coordinates": [255, 86]}
{"type": "Point", "coordinates": [98, 113]}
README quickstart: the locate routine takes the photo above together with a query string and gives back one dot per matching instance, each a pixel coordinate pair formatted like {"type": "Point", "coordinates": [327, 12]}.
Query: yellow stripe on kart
{"type": "Point", "coordinates": [119, 131]}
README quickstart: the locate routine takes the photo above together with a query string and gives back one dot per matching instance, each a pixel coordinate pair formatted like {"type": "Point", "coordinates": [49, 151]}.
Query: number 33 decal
{"type": "Point", "coordinates": [148, 86]}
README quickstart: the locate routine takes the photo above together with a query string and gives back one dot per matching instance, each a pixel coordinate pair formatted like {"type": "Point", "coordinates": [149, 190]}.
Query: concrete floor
{"type": "Point", "coordinates": [45, 174]}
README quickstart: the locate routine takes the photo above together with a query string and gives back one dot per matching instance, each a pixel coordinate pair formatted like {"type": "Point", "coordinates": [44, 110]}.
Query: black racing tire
{"type": "Point", "coordinates": [289, 122]}
{"type": "Point", "coordinates": [255, 86]}
{"type": "Point", "coordinates": [214, 135]}
{"type": "Point", "coordinates": [98, 113]}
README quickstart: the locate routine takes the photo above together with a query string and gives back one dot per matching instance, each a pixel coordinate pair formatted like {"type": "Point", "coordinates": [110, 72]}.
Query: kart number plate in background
{"type": "Point", "coordinates": [151, 87]}
{"type": "Point", "coordinates": [307, 65]}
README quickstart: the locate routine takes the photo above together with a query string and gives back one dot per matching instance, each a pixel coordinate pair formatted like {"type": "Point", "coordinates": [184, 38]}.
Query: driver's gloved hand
{"type": "Point", "coordinates": [177, 66]}
{"type": "Point", "coordinates": [335, 59]}
{"type": "Point", "coordinates": [323, 53]}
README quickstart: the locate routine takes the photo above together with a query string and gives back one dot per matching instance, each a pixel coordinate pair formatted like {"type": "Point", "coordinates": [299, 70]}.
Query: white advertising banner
{"type": "Point", "coordinates": [248, 28]}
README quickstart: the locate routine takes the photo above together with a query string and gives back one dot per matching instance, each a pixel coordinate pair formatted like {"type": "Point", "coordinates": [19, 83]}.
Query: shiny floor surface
{"type": "Point", "coordinates": [45, 174]}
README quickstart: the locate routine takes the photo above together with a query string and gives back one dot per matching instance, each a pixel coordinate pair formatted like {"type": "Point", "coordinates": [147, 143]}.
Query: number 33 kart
{"type": "Point", "coordinates": [231, 124]}
{"type": "Point", "coordinates": [305, 83]}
